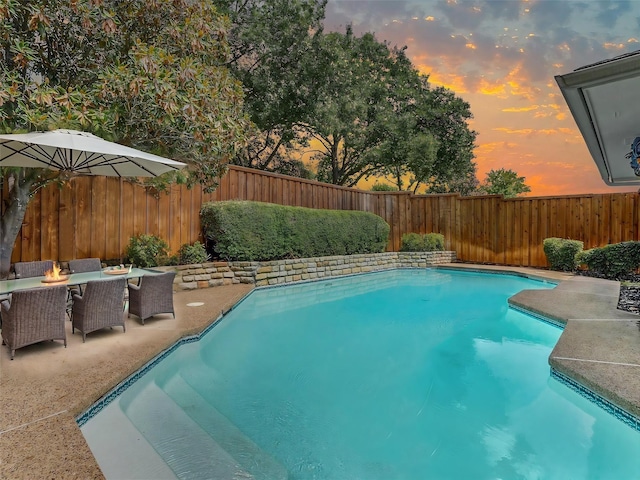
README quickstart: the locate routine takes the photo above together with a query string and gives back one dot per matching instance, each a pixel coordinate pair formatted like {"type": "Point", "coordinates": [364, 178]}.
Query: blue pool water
{"type": "Point", "coordinates": [396, 375]}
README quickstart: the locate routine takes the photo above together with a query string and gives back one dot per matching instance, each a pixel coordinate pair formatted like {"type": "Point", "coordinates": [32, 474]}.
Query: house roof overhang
{"type": "Point", "coordinates": [604, 99]}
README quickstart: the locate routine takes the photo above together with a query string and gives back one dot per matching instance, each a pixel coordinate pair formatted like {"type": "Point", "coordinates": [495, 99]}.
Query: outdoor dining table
{"type": "Point", "coordinates": [8, 286]}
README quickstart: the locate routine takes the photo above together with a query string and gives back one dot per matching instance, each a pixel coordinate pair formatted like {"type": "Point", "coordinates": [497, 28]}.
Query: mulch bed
{"type": "Point", "coordinates": [629, 299]}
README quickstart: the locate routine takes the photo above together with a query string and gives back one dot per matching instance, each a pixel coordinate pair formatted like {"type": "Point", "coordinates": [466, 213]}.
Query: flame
{"type": "Point", "coordinates": [53, 274]}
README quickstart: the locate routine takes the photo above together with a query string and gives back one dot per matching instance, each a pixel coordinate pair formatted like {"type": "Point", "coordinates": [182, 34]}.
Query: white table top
{"type": "Point", "coordinates": [8, 286]}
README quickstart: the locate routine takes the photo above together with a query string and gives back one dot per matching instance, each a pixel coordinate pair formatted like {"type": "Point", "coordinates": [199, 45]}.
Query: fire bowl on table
{"type": "Point", "coordinates": [60, 279]}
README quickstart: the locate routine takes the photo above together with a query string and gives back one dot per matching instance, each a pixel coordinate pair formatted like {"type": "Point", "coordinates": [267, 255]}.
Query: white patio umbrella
{"type": "Point", "coordinates": [82, 153]}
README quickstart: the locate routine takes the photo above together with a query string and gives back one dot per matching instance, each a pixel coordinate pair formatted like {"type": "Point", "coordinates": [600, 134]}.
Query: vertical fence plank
{"type": "Point", "coordinates": [66, 224]}
{"type": "Point", "coordinates": [196, 199]}
{"type": "Point", "coordinates": [157, 211]}
{"type": "Point", "coordinates": [128, 214]}
{"type": "Point", "coordinates": [98, 223]}
{"type": "Point", "coordinates": [113, 219]}
{"type": "Point", "coordinates": [161, 227]}
{"type": "Point", "coordinates": [49, 223]}
{"type": "Point", "coordinates": [175, 227]}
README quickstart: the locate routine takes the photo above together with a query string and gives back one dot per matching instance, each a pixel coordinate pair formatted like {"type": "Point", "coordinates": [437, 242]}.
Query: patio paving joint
{"type": "Point", "coordinates": [61, 412]}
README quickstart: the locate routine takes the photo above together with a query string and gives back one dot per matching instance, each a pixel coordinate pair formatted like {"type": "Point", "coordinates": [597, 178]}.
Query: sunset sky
{"type": "Point", "coordinates": [501, 56]}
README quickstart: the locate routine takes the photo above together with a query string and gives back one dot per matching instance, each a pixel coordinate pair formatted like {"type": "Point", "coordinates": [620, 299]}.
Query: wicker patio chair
{"type": "Point", "coordinates": [82, 265]}
{"type": "Point", "coordinates": [32, 269]}
{"type": "Point", "coordinates": [100, 306]}
{"type": "Point", "coordinates": [33, 316]}
{"type": "Point", "coordinates": [154, 295]}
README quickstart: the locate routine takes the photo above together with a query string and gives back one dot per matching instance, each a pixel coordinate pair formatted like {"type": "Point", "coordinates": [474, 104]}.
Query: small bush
{"type": "Point", "coordinates": [594, 259]}
{"type": "Point", "coordinates": [190, 254]}
{"type": "Point", "coordinates": [243, 230]}
{"type": "Point", "coordinates": [165, 260]}
{"type": "Point", "coordinates": [383, 187]}
{"type": "Point", "coordinates": [562, 254]}
{"type": "Point", "coordinates": [414, 242]}
{"type": "Point", "coordinates": [411, 242]}
{"type": "Point", "coordinates": [147, 251]}
{"type": "Point", "coordinates": [434, 242]}
{"type": "Point", "coordinates": [612, 261]}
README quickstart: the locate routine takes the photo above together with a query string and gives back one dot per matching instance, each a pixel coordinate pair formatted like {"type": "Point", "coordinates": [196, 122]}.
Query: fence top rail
{"type": "Point", "coordinates": [296, 179]}
{"type": "Point", "coordinates": [418, 195]}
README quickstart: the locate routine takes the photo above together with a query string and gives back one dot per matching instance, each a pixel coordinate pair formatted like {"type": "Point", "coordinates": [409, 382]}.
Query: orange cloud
{"type": "Point", "coordinates": [452, 82]}
{"type": "Point", "coordinates": [521, 109]}
{"type": "Point", "coordinates": [527, 131]}
{"type": "Point", "coordinates": [486, 148]}
{"type": "Point", "coordinates": [495, 88]}
{"type": "Point", "coordinates": [614, 46]}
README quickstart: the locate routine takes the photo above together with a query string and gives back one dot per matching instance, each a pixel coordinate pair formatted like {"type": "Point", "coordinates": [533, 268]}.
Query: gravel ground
{"type": "Point", "coordinates": [629, 300]}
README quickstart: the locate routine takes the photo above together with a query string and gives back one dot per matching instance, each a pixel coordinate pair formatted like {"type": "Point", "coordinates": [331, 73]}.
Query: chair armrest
{"type": "Point", "coordinates": [78, 304]}
{"type": "Point", "coordinates": [5, 306]}
{"type": "Point", "coordinates": [133, 286]}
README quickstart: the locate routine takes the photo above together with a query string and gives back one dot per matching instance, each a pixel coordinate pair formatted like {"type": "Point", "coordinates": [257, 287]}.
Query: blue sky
{"type": "Point", "coordinates": [501, 56]}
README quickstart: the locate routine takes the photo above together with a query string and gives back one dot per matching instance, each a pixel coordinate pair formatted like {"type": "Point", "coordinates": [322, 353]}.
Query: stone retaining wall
{"type": "Point", "coordinates": [213, 274]}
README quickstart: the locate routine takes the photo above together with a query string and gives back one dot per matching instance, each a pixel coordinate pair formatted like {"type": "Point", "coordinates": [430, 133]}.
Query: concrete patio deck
{"type": "Point", "coordinates": [47, 386]}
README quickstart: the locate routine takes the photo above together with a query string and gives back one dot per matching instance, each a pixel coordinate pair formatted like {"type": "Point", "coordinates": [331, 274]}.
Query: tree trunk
{"type": "Point", "coordinates": [11, 219]}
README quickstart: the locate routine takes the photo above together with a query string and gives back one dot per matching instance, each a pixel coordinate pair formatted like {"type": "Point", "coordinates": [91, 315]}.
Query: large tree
{"type": "Point", "coordinates": [447, 117]}
{"type": "Point", "coordinates": [408, 150]}
{"type": "Point", "coordinates": [268, 41]}
{"type": "Point", "coordinates": [355, 101]}
{"type": "Point", "coordinates": [504, 182]}
{"type": "Point", "coordinates": [151, 75]}
{"type": "Point", "coordinates": [375, 115]}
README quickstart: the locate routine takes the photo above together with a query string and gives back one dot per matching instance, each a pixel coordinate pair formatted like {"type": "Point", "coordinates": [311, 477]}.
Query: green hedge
{"type": "Point", "coordinates": [147, 250]}
{"type": "Point", "coordinates": [192, 254]}
{"type": "Point", "coordinates": [562, 253]}
{"type": "Point", "coordinates": [612, 261]}
{"type": "Point", "coordinates": [242, 230]}
{"type": "Point", "coordinates": [429, 242]}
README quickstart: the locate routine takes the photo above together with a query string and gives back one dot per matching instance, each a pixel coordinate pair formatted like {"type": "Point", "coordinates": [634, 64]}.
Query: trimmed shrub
{"type": "Point", "coordinates": [612, 261]}
{"type": "Point", "coordinates": [190, 254]}
{"type": "Point", "coordinates": [562, 253]}
{"type": "Point", "coordinates": [411, 242]}
{"type": "Point", "coordinates": [594, 259]}
{"type": "Point", "coordinates": [414, 242]}
{"type": "Point", "coordinates": [147, 251]}
{"type": "Point", "coordinates": [434, 242]}
{"type": "Point", "coordinates": [243, 230]}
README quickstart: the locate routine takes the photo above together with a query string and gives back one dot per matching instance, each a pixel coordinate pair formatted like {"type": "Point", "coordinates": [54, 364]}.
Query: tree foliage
{"type": "Point", "coordinates": [268, 41]}
{"type": "Point", "coordinates": [377, 116]}
{"type": "Point", "coordinates": [504, 182]}
{"type": "Point", "coordinates": [354, 103]}
{"type": "Point", "coordinates": [150, 75]}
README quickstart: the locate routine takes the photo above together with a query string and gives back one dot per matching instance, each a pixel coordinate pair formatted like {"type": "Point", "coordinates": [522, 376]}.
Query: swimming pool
{"type": "Point", "coordinates": [401, 374]}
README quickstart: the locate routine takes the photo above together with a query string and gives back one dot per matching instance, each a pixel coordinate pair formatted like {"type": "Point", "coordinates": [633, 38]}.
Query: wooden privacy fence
{"type": "Point", "coordinates": [96, 216]}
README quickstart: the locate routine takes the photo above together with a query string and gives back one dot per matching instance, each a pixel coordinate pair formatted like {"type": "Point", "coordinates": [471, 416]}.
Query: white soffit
{"type": "Point", "coordinates": [604, 99]}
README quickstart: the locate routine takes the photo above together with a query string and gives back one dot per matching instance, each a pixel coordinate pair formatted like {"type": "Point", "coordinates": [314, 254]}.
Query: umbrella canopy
{"type": "Point", "coordinates": [82, 153]}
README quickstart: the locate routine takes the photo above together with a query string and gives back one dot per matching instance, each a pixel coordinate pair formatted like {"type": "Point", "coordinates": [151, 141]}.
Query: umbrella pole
{"type": "Point", "coordinates": [120, 218]}
{"type": "Point", "coordinates": [74, 218]}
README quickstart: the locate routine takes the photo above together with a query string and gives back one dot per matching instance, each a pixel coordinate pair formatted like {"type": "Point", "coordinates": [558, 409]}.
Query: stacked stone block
{"type": "Point", "coordinates": [213, 274]}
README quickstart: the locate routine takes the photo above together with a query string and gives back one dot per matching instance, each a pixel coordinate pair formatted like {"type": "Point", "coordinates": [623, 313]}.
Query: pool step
{"type": "Point", "coordinates": [249, 455]}
{"type": "Point", "coordinates": [186, 448]}
{"type": "Point", "coordinates": [119, 448]}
